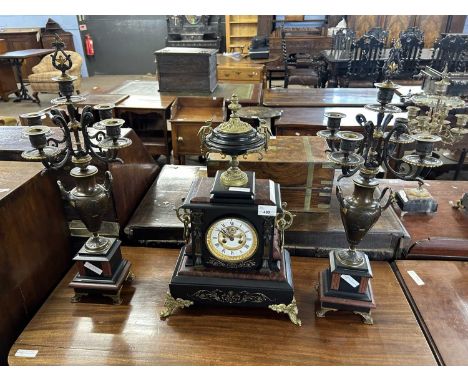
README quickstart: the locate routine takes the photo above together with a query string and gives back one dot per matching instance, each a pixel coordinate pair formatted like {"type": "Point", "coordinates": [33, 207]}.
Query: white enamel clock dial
{"type": "Point", "coordinates": [232, 239]}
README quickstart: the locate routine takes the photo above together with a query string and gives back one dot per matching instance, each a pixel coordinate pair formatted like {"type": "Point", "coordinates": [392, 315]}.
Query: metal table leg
{"type": "Point", "coordinates": [23, 92]}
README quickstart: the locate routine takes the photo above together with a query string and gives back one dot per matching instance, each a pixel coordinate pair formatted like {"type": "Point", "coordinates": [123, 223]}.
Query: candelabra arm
{"type": "Point", "coordinates": [58, 165]}
{"type": "Point", "coordinates": [390, 198]}
{"type": "Point", "coordinates": [361, 119]}
{"type": "Point", "coordinates": [366, 143]}
{"type": "Point", "coordinates": [108, 183]}
{"type": "Point", "coordinates": [413, 171]}
{"type": "Point", "coordinates": [387, 121]}
{"type": "Point", "coordinates": [49, 163]}
{"type": "Point", "coordinates": [346, 172]}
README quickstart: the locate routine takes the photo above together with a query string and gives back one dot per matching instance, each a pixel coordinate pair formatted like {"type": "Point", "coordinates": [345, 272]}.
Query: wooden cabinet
{"type": "Point", "coordinates": [194, 31]}
{"type": "Point", "coordinates": [67, 38]}
{"type": "Point", "coordinates": [51, 29]}
{"type": "Point", "coordinates": [239, 32]}
{"type": "Point", "coordinates": [188, 114]}
{"type": "Point", "coordinates": [7, 76]}
{"type": "Point", "coordinates": [241, 74]}
{"type": "Point", "coordinates": [21, 39]}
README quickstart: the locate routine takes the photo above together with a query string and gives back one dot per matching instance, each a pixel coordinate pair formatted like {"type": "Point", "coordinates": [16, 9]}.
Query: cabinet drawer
{"type": "Point", "coordinates": [298, 131]}
{"type": "Point", "coordinates": [240, 74]}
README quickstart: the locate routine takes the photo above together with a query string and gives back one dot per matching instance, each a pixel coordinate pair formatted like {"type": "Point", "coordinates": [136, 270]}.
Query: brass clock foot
{"type": "Point", "coordinates": [323, 311]}
{"type": "Point", "coordinates": [366, 317]}
{"type": "Point", "coordinates": [171, 304]}
{"type": "Point", "coordinates": [291, 310]}
{"type": "Point", "coordinates": [116, 300]}
{"type": "Point", "coordinates": [130, 277]}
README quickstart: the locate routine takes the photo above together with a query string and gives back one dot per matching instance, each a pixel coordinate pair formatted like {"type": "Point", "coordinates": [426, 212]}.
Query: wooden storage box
{"type": "Point", "coordinates": [186, 69]}
{"type": "Point", "coordinates": [299, 164]}
{"type": "Point", "coordinates": [188, 114]}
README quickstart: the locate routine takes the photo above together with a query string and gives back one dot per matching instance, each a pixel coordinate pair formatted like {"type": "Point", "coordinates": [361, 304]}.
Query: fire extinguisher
{"type": "Point", "coordinates": [89, 45]}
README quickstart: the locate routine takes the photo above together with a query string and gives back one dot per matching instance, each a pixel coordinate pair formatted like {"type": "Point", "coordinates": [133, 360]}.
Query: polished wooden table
{"type": "Point", "coordinates": [321, 97]}
{"type": "Point", "coordinates": [307, 121]}
{"type": "Point", "coordinates": [92, 99]}
{"type": "Point", "coordinates": [16, 58]}
{"type": "Point", "coordinates": [34, 245]}
{"type": "Point", "coordinates": [249, 93]}
{"type": "Point", "coordinates": [440, 305]}
{"type": "Point", "coordinates": [99, 333]}
{"type": "Point", "coordinates": [443, 234]}
{"type": "Point", "coordinates": [337, 62]}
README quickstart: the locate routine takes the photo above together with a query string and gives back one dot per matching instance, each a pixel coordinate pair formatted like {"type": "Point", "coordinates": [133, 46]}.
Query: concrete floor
{"type": "Point", "coordinates": [96, 83]}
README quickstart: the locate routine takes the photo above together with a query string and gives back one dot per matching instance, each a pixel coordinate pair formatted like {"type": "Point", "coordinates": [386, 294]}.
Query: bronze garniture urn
{"type": "Point", "coordinates": [346, 284]}
{"type": "Point", "coordinates": [234, 138]}
{"type": "Point", "coordinates": [101, 268]}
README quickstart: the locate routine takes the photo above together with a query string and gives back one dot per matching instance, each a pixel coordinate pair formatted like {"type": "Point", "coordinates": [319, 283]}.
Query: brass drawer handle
{"type": "Point", "coordinates": [180, 139]}
{"type": "Point", "coordinates": [297, 134]}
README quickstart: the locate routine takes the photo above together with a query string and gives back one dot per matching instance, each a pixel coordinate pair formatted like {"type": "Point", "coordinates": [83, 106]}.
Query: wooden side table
{"type": "Point", "coordinates": [437, 292]}
{"type": "Point", "coordinates": [16, 59]}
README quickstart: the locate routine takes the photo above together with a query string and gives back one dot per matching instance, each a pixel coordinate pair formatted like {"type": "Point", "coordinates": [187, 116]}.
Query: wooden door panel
{"type": "Point", "coordinates": [432, 26]}
{"type": "Point", "coordinates": [395, 24]}
{"type": "Point", "coordinates": [361, 24]}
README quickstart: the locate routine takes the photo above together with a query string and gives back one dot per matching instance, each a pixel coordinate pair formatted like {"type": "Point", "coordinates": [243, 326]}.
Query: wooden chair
{"type": "Point", "coordinates": [450, 51]}
{"type": "Point", "coordinates": [343, 39]}
{"type": "Point", "coordinates": [410, 46]}
{"type": "Point", "coordinates": [301, 68]}
{"type": "Point", "coordinates": [363, 65]}
{"type": "Point", "coordinates": [379, 33]}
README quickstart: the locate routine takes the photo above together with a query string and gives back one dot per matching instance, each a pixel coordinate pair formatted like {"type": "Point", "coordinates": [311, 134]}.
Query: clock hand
{"type": "Point", "coordinates": [226, 234]}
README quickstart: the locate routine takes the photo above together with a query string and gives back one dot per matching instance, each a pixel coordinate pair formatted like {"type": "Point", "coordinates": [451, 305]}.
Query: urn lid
{"type": "Point", "coordinates": [234, 137]}
{"type": "Point", "coordinates": [234, 125]}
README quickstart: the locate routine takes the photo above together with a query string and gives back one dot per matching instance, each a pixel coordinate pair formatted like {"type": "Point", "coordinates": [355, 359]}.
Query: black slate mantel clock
{"type": "Point", "coordinates": [234, 226]}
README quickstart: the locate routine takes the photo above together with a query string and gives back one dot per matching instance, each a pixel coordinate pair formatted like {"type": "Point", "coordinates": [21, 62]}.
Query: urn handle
{"type": "Point", "coordinates": [65, 194]}
{"type": "Point", "coordinates": [389, 200]}
{"type": "Point", "coordinates": [339, 195]}
{"type": "Point", "coordinates": [108, 183]}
